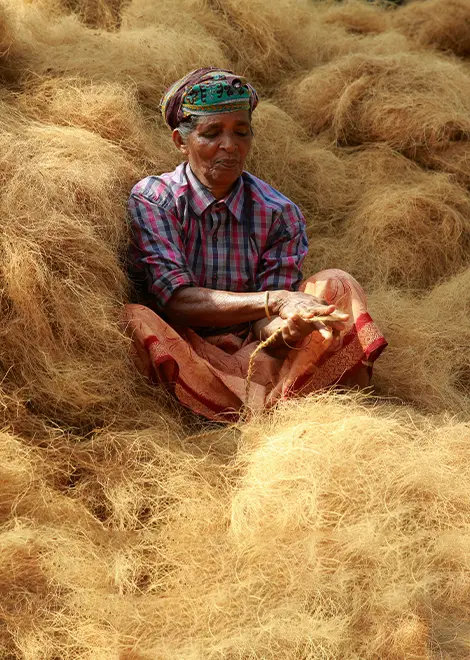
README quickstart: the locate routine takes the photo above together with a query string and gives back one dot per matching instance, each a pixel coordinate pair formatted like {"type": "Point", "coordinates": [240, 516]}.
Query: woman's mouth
{"type": "Point", "coordinates": [228, 164]}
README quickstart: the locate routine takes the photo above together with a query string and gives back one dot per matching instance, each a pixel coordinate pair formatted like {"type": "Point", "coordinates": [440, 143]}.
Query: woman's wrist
{"type": "Point", "coordinates": [276, 300]}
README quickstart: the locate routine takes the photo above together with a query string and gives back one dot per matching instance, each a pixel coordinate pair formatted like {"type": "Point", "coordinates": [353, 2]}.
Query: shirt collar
{"type": "Point", "coordinates": [201, 198]}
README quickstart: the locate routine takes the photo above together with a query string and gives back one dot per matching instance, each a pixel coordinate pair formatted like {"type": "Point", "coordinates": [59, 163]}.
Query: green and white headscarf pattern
{"type": "Point", "coordinates": [207, 91]}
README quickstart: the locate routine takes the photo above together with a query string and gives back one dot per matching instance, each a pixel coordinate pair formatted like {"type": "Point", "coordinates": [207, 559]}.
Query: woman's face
{"type": "Point", "coordinates": [217, 148]}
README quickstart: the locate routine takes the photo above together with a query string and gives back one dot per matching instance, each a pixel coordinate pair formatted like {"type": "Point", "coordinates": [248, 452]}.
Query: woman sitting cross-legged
{"type": "Point", "coordinates": [216, 258]}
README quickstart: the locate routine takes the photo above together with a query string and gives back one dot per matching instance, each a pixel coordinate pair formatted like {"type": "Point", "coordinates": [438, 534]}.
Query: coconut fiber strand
{"type": "Point", "coordinates": [332, 528]}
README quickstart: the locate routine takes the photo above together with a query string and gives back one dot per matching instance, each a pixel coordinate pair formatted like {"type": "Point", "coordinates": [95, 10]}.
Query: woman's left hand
{"type": "Point", "coordinates": [329, 330]}
{"type": "Point", "coordinates": [294, 330]}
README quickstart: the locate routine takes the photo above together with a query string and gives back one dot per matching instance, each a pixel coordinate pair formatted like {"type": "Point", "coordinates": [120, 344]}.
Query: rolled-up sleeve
{"type": "Point", "coordinates": [156, 252]}
{"type": "Point", "coordinates": [286, 247]}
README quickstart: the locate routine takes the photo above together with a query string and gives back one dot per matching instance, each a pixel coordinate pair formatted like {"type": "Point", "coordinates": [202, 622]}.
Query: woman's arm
{"type": "Point", "coordinates": [197, 306]}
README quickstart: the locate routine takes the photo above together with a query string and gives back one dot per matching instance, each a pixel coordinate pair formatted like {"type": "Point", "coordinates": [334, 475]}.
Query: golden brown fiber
{"type": "Point", "coordinates": [442, 24]}
{"type": "Point", "coordinates": [407, 100]}
{"type": "Point", "coordinates": [331, 528]}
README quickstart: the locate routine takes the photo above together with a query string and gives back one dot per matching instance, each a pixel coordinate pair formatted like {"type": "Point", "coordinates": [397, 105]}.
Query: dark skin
{"type": "Point", "coordinates": [216, 151]}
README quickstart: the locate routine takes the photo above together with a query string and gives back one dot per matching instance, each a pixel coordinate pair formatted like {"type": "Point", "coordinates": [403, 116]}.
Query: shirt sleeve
{"type": "Point", "coordinates": [156, 252]}
{"type": "Point", "coordinates": [286, 247]}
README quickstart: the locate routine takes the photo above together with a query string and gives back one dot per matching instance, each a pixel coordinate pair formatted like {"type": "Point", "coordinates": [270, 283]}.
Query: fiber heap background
{"type": "Point", "coordinates": [336, 527]}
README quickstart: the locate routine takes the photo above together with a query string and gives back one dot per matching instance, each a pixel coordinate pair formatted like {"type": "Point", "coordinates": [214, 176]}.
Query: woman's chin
{"type": "Point", "coordinates": [226, 175]}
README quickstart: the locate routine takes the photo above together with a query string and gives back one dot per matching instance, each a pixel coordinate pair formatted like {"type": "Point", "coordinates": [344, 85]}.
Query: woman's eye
{"type": "Point", "coordinates": [210, 135]}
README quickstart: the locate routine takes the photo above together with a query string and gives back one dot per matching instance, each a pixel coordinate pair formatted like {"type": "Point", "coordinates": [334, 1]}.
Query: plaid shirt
{"type": "Point", "coordinates": [252, 240]}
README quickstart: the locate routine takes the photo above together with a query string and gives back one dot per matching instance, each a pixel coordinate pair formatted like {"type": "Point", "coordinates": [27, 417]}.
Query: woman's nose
{"type": "Point", "coordinates": [228, 143]}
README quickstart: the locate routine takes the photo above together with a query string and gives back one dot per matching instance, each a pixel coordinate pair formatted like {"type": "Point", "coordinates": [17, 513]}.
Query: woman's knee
{"type": "Point", "coordinates": [331, 274]}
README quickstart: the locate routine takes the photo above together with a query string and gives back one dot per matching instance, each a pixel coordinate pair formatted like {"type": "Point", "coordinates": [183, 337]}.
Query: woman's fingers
{"type": "Point", "coordinates": [327, 310]}
{"type": "Point", "coordinates": [340, 317]}
{"type": "Point", "coordinates": [298, 303]}
{"type": "Point", "coordinates": [300, 312]}
{"type": "Point", "coordinates": [291, 333]}
{"type": "Point", "coordinates": [324, 330]}
{"type": "Point", "coordinates": [337, 325]}
{"type": "Point", "coordinates": [305, 326]}
{"type": "Point", "coordinates": [317, 310]}
{"type": "Point", "coordinates": [301, 315]}
{"type": "Point", "coordinates": [294, 330]}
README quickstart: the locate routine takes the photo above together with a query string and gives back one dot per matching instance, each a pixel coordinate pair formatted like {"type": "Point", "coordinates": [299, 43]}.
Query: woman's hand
{"type": "Point", "coordinates": [295, 316]}
{"type": "Point", "coordinates": [299, 310]}
{"type": "Point", "coordinates": [280, 347]}
{"type": "Point", "coordinates": [290, 332]}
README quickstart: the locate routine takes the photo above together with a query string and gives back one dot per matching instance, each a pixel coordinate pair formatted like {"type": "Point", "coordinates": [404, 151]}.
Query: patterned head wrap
{"type": "Point", "coordinates": [207, 91]}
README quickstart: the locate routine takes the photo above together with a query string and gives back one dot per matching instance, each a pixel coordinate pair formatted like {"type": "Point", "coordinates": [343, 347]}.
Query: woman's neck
{"type": "Point", "coordinates": [219, 191]}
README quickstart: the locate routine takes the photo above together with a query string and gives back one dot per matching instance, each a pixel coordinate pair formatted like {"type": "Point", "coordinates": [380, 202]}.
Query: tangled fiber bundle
{"type": "Point", "coordinates": [108, 109]}
{"type": "Point", "coordinates": [267, 40]}
{"type": "Point", "coordinates": [428, 360]}
{"type": "Point", "coordinates": [407, 100]}
{"type": "Point", "coordinates": [13, 56]}
{"type": "Point", "coordinates": [357, 17]}
{"type": "Point", "coordinates": [148, 59]}
{"type": "Point", "coordinates": [334, 527]}
{"type": "Point", "coordinates": [405, 227]}
{"type": "Point", "coordinates": [442, 24]}
{"type": "Point", "coordinates": [312, 174]}
{"type": "Point", "coordinates": [411, 234]}
{"type": "Point", "coordinates": [345, 525]}
{"type": "Point", "coordinates": [93, 13]}
{"type": "Point", "coordinates": [60, 279]}
{"type": "Point", "coordinates": [454, 158]}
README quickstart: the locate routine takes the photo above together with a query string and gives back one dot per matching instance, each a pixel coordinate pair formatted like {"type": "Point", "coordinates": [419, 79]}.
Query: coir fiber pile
{"type": "Point", "coordinates": [335, 527]}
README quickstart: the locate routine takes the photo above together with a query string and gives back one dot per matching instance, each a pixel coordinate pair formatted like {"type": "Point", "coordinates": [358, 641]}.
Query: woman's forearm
{"type": "Point", "coordinates": [197, 306]}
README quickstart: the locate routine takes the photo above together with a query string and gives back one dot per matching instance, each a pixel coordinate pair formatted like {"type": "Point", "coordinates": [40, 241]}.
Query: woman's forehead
{"type": "Point", "coordinates": [225, 119]}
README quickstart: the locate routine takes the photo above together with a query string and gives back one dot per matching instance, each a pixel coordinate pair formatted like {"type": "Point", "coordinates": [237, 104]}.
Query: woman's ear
{"type": "Point", "coordinates": [178, 142]}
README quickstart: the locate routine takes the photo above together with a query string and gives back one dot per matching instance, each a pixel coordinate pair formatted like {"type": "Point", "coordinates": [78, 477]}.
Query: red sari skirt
{"type": "Point", "coordinates": [208, 374]}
